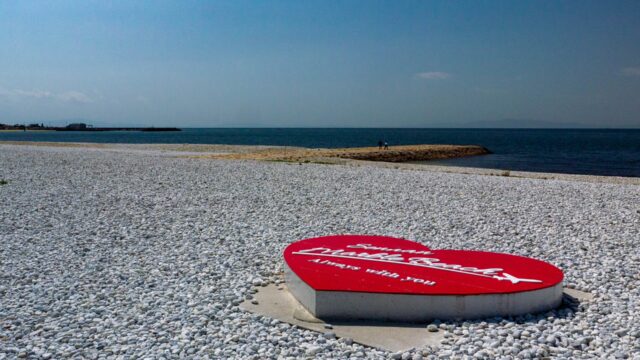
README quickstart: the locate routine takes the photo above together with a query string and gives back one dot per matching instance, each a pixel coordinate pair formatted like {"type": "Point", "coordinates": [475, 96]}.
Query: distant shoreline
{"type": "Point", "coordinates": [82, 128]}
{"type": "Point", "coordinates": [28, 130]}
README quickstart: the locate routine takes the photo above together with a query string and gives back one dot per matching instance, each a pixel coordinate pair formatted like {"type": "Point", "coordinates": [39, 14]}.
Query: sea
{"type": "Point", "coordinates": [611, 152]}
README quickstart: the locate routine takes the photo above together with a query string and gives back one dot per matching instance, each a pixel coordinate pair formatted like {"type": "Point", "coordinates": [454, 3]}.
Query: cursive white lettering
{"type": "Point", "coordinates": [371, 247]}
{"type": "Point", "coordinates": [335, 264]}
{"type": "Point", "coordinates": [433, 262]}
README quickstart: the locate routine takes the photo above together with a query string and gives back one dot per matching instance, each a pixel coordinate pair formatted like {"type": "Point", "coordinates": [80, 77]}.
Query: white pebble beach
{"type": "Point", "coordinates": [142, 254]}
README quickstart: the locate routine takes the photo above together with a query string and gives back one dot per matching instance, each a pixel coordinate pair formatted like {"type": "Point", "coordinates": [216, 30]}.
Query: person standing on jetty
{"type": "Point", "coordinates": [380, 144]}
{"type": "Point", "coordinates": [386, 145]}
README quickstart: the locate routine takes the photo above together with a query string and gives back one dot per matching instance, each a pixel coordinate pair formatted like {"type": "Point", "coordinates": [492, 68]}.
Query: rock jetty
{"type": "Point", "coordinates": [393, 154]}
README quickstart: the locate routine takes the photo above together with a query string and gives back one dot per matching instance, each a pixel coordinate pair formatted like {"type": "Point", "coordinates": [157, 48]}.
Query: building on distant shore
{"type": "Point", "coordinates": [77, 126]}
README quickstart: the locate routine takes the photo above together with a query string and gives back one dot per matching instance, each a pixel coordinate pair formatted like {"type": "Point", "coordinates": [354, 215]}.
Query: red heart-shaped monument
{"type": "Point", "coordinates": [361, 264]}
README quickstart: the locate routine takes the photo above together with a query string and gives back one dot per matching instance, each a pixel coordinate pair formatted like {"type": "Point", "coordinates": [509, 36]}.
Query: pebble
{"type": "Point", "coordinates": [313, 350]}
{"type": "Point", "coordinates": [120, 255]}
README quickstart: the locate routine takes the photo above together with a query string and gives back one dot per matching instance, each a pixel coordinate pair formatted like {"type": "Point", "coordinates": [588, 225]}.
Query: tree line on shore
{"type": "Point", "coordinates": [25, 127]}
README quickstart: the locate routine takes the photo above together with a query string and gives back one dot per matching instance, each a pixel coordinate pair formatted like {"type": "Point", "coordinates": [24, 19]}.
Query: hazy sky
{"type": "Point", "coordinates": [320, 63]}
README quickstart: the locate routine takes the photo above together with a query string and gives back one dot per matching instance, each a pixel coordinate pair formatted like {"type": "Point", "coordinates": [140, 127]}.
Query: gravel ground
{"type": "Point", "coordinates": [110, 254]}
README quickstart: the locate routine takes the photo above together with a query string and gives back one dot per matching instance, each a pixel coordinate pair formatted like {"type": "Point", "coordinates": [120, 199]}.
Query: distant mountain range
{"type": "Point", "coordinates": [522, 124]}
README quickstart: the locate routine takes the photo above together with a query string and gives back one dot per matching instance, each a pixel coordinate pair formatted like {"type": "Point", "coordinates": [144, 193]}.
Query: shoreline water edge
{"type": "Point", "coordinates": [319, 156]}
{"type": "Point", "coordinates": [607, 152]}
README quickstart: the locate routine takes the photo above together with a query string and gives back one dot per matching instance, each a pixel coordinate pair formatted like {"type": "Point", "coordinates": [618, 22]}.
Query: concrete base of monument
{"type": "Point", "coordinates": [348, 305]}
{"type": "Point", "coordinates": [277, 303]}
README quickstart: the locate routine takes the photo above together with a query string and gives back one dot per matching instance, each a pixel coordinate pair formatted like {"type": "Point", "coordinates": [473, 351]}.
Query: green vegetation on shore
{"type": "Point", "coordinates": [3, 182]}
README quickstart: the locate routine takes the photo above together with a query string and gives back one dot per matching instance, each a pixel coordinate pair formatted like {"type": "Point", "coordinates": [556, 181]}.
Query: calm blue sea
{"type": "Point", "coordinates": [584, 151]}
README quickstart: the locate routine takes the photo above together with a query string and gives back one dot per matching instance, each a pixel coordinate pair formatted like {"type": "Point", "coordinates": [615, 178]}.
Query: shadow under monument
{"type": "Point", "coordinates": [275, 301]}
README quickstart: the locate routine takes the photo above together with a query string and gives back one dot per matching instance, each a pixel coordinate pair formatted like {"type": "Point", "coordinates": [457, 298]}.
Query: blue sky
{"type": "Point", "coordinates": [320, 63]}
